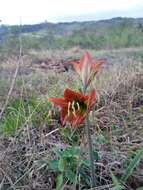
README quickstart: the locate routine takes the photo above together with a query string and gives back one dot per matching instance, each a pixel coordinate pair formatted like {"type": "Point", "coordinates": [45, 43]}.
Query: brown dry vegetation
{"type": "Point", "coordinates": [116, 120]}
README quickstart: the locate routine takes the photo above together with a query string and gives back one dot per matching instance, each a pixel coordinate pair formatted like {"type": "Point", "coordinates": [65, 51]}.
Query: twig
{"type": "Point", "coordinates": [2, 182]}
{"type": "Point", "coordinates": [19, 179]}
{"type": "Point", "coordinates": [50, 133]}
{"type": "Point", "coordinates": [103, 187]}
{"type": "Point", "coordinates": [8, 178]}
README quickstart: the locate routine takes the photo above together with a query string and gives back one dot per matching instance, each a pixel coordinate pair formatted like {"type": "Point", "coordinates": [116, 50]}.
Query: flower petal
{"type": "Point", "coordinates": [74, 115]}
{"type": "Point", "coordinates": [89, 58]}
{"type": "Point", "coordinates": [91, 98]}
{"type": "Point", "coordinates": [87, 67]}
{"type": "Point", "coordinates": [59, 102]}
{"type": "Point", "coordinates": [76, 66]}
{"type": "Point", "coordinates": [85, 72]}
{"type": "Point", "coordinates": [70, 95]}
{"type": "Point", "coordinates": [64, 116]}
{"type": "Point", "coordinates": [67, 118]}
{"type": "Point", "coordinates": [98, 65]}
{"type": "Point", "coordinates": [78, 121]}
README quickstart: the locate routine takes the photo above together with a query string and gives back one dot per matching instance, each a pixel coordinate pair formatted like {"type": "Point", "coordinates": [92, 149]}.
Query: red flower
{"type": "Point", "coordinates": [74, 106]}
{"type": "Point", "coordinates": [86, 68]}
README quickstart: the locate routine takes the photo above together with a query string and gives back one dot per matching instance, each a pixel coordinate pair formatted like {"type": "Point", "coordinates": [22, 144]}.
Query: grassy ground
{"type": "Point", "coordinates": [35, 150]}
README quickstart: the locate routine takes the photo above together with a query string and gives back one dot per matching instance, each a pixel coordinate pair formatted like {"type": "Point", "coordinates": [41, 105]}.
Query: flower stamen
{"type": "Point", "coordinates": [69, 105]}
{"type": "Point", "coordinates": [73, 108]}
{"type": "Point", "coordinates": [78, 107]}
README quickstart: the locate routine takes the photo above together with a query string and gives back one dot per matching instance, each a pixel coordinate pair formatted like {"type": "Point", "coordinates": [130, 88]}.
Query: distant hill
{"type": "Point", "coordinates": [69, 27]}
{"type": "Point", "coordinates": [111, 33]}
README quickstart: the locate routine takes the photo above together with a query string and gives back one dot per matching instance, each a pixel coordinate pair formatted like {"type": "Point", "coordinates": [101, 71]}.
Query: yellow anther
{"type": "Point", "coordinates": [73, 108]}
{"type": "Point", "coordinates": [78, 107]}
{"type": "Point", "coordinates": [73, 103]}
{"type": "Point", "coordinates": [69, 104]}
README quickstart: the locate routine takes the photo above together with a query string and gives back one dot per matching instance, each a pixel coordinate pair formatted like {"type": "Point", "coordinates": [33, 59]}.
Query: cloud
{"type": "Point", "coordinates": [135, 13]}
{"type": "Point", "coordinates": [34, 11]}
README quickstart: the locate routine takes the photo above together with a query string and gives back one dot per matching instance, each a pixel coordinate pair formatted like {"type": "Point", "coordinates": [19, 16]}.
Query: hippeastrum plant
{"type": "Point", "coordinates": [74, 106]}
{"type": "Point", "coordinates": [86, 68]}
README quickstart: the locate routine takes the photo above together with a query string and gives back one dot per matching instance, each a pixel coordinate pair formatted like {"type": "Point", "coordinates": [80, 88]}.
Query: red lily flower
{"type": "Point", "coordinates": [86, 68]}
{"type": "Point", "coordinates": [74, 106]}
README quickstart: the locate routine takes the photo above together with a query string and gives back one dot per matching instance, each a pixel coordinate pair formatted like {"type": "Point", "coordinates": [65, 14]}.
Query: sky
{"type": "Point", "coordinates": [36, 11]}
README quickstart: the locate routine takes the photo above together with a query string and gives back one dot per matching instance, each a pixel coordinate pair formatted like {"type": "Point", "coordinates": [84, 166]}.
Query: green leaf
{"type": "Point", "coordinates": [114, 179]}
{"type": "Point", "coordinates": [70, 152]}
{"type": "Point", "coordinates": [53, 165]}
{"type": "Point", "coordinates": [140, 188]}
{"type": "Point", "coordinates": [61, 164]}
{"type": "Point", "coordinates": [85, 177]}
{"type": "Point", "coordinates": [71, 176]}
{"type": "Point", "coordinates": [133, 164]}
{"type": "Point", "coordinates": [66, 132]}
{"type": "Point", "coordinates": [95, 155]}
{"type": "Point", "coordinates": [100, 139]}
{"type": "Point", "coordinates": [117, 185]}
{"type": "Point", "coordinates": [59, 182]}
{"type": "Point", "coordinates": [117, 188]}
{"type": "Point", "coordinates": [85, 163]}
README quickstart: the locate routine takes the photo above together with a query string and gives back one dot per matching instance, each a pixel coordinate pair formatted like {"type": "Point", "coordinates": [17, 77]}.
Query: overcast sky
{"type": "Point", "coordinates": [35, 11]}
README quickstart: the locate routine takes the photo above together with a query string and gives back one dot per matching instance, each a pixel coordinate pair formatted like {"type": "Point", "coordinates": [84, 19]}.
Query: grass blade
{"type": "Point", "coordinates": [133, 164]}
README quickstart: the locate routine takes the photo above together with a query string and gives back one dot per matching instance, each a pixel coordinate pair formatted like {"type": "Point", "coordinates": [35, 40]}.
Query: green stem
{"type": "Point", "coordinates": [90, 150]}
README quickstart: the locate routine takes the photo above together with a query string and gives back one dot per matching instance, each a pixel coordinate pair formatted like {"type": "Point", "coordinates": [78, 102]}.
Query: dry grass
{"type": "Point", "coordinates": [116, 123]}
